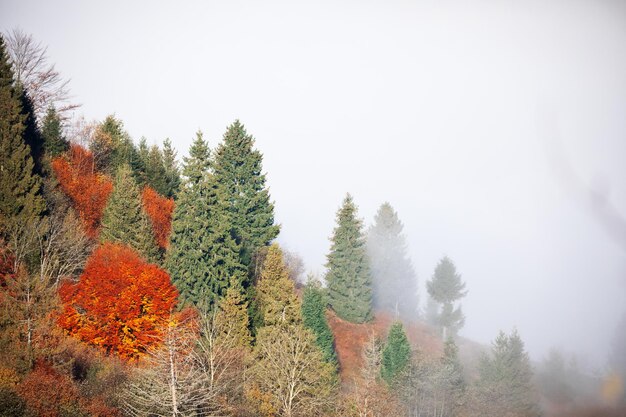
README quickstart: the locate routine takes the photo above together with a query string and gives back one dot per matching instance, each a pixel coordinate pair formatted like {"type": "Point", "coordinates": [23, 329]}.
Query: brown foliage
{"type": "Point", "coordinates": [160, 211]}
{"type": "Point", "coordinates": [88, 189]}
{"type": "Point", "coordinates": [120, 303]}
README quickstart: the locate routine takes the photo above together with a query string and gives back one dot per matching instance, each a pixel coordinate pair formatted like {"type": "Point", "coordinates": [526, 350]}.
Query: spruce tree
{"type": "Point", "coordinates": [124, 219]}
{"type": "Point", "coordinates": [275, 291]}
{"type": "Point", "coordinates": [20, 198]}
{"type": "Point", "coordinates": [202, 256]}
{"type": "Point", "coordinates": [396, 353]}
{"type": "Point", "coordinates": [445, 287]}
{"type": "Point", "coordinates": [238, 171]}
{"type": "Point", "coordinates": [172, 173]}
{"type": "Point", "coordinates": [231, 319]}
{"type": "Point", "coordinates": [314, 318]}
{"type": "Point", "coordinates": [452, 371]}
{"type": "Point", "coordinates": [394, 282]}
{"type": "Point", "coordinates": [348, 276]}
{"type": "Point", "coordinates": [155, 171]}
{"type": "Point", "coordinates": [54, 142]}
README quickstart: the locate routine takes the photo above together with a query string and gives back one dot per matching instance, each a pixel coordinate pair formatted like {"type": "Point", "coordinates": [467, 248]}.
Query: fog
{"type": "Point", "coordinates": [496, 130]}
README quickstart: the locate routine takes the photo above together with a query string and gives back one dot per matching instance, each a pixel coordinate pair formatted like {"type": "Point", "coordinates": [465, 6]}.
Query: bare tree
{"type": "Point", "coordinates": [40, 79]}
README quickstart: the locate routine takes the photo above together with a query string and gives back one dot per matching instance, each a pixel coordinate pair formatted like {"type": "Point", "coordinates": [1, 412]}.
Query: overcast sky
{"type": "Point", "coordinates": [484, 123]}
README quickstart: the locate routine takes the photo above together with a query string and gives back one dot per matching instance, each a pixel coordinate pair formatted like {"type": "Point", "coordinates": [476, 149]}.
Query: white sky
{"type": "Point", "coordinates": [446, 109]}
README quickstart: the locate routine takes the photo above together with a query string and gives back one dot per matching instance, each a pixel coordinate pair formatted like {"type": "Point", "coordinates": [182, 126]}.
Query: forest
{"type": "Point", "coordinates": [137, 283]}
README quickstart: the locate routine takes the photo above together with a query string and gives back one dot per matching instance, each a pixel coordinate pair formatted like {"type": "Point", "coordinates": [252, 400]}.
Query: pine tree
{"type": "Point", "coordinates": [124, 219]}
{"type": "Point", "coordinates": [276, 293]}
{"type": "Point", "coordinates": [51, 130]}
{"type": "Point", "coordinates": [452, 374]}
{"type": "Point", "coordinates": [202, 256]}
{"type": "Point", "coordinates": [505, 385]}
{"type": "Point", "coordinates": [155, 171]}
{"type": "Point", "coordinates": [394, 283]}
{"type": "Point", "coordinates": [114, 148]}
{"type": "Point", "coordinates": [396, 353]}
{"type": "Point", "coordinates": [314, 318]}
{"type": "Point", "coordinates": [238, 171]}
{"type": "Point", "coordinates": [348, 276]}
{"type": "Point", "coordinates": [20, 198]}
{"type": "Point", "coordinates": [232, 319]}
{"type": "Point", "coordinates": [445, 287]}
{"type": "Point", "coordinates": [172, 173]}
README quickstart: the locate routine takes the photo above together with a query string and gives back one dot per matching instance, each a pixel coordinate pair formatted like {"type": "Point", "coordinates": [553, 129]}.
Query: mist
{"type": "Point", "coordinates": [496, 130]}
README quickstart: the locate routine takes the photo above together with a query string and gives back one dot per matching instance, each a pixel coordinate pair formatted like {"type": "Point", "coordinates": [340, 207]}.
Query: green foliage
{"type": "Point", "coordinates": [314, 317]}
{"type": "Point", "coordinates": [113, 148]}
{"type": "Point", "coordinates": [172, 173]}
{"type": "Point", "coordinates": [54, 142]}
{"type": "Point", "coordinates": [276, 293]}
{"type": "Point", "coordinates": [238, 171]}
{"type": "Point", "coordinates": [396, 353]}
{"type": "Point", "coordinates": [124, 219]}
{"type": "Point", "coordinates": [394, 282]}
{"type": "Point", "coordinates": [11, 405]}
{"type": "Point", "coordinates": [348, 276]}
{"type": "Point", "coordinates": [202, 257]}
{"type": "Point", "coordinates": [445, 287]}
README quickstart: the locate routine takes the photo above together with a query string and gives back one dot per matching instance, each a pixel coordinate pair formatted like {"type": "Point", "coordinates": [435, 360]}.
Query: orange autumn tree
{"type": "Point", "coordinates": [88, 189]}
{"type": "Point", "coordinates": [121, 303]}
{"type": "Point", "coordinates": [160, 211]}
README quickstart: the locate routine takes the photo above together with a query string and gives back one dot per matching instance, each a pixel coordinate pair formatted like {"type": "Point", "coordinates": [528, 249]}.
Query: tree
{"type": "Point", "coordinates": [113, 147]}
{"type": "Point", "coordinates": [124, 219]}
{"type": "Point", "coordinates": [238, 171]}
{"type": "Point", "coordinates": [41, 80]}
{"type": "Point", "coordinates": [172, 173]}
{"type": "Point", "coordinates": [445, 287]}
{"type": "Point", "coordinates": [394, 283]}
{"type": "Point", "coordinates": [396, 354]}
{"type": "Point", "coordinates": [54, 142]}
{"type": "Point", "coordinates": [231, 320]}
{"type": "Point", "coordinates": [21, 203]}
{"type": "Point", "coordinates": [277, 299]}
{"type": "Point", "coordinates": [88, 189]}
{"type": "Point", "coordinates": [159, 210]}
{"type": "Point", "coordinates": [314, 318]}
{"type": "Point", "coordinates": [120, 304]}
{"type": "Point", "coordinates": [505, 386]}
{"type": "Point", "coordinates": [155, 171]}
{"type": "Point", "coordinates": [202, 256]}
{"type": "Point", "coordinates": [348, 276]}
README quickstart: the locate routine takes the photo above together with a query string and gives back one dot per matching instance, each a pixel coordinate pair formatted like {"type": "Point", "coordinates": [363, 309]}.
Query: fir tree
{"type": "Point", "coordinates": [202, 256]}
{"type": "Point", "coordinates": [348, 276]}
{"type": "Point", "coordinates": [155, 171]}
{"type": "Point", "coordinates": [446, 287]}
{"type": "Point", "coordinates": [394, 283]}
{"type": "Point", "coordinates": [172, 173]}
{"type": "Point", "coordinates": [51, 130]}
{"type": "Point", "coordinates": [32, 135]}
{"type": "Point", "coordinates": [275, 291]}
{"type": "Point", "coordinates": [120, 148]}
{"type": "Point", "coordinates": [232, 319]}
{"type": "Point", "coordinates": [314, 318]}
{"type": "Point", "coordinates": [452, 374]}
{"type": "Point", "coordinates": [238, 171]}
{"type": "Point", "coordinates": [396, 353]}
{"type": "Point", "coordinates": [20, 199]}
{"type": "Point", "coordinates": [125, 221]}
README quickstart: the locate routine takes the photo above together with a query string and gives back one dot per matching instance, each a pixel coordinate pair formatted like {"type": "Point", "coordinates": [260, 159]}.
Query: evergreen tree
{"type": "Point", "coordinates": [124, 219]}
{"type": "Point", "coordinates": [314, 318]}
{"type": "Point", "coordinates": [232, 319]}
{"type": "Point", "coordinates": [202, 256]}
{"type": "Point", "coordinates": [275, 291]}
{"type": "Point", "coordinates": [20, 198]}
{"type": "Point", "coordinates": [452, 371]}
{"type": "Point", "coordinates": [394, 283]}
{"type": "Point", "coordinates": [505, 386]}
{"type": "Point", "coordinates": [238, 171]}
{"type": "Point", "coordinates": [32, 135]}
{"type": "Point", "coordinates": [172, 173]}
{"type": "Point", "coordinates": [396, 353]}
{"type": "Point", "coordinates": [446, 287]}
{"type": "Point", "coordinates": [155, 171]}
{"type": "Point", "coordinates": [51, 130]}
{"type": "Point", "coordinates": [348, 276]}
{"type": "Point", "coordinates": [114, 148]}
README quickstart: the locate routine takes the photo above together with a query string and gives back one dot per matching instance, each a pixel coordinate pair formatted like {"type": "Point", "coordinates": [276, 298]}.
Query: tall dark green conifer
{"type": "Point", "coordinates": [20, 199]}
{"type": "Point", "coordinates": [396, 353]}
{"type": "Point", "coordinates": [238, 171]}
{"type": "Point", "coordinates": [202, 256]}
{"type": "Point", "coordinates": [314, 318]}
{"type": "Point", "coordinates": [172, 173]}
{"type": "Point", "coordinates": [54, 142]}
{"type": "Point", "coordinates": [348, 276]}
{"type": "Point", "coordinates": [124, 219]}
{"type": "Point", "coordinates": [394, 283]}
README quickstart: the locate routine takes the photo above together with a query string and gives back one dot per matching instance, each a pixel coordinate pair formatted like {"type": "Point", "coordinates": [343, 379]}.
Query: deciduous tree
{"type": "Point", "coordinates": [159, 209]}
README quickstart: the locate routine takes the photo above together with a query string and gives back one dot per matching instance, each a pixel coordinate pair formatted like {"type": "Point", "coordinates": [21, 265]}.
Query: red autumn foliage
{"type": "Point", "coordinates": [120, 304]}
{"type": "Point", "coordinates": [160, 211]}
{"type": "Point", "coordinates": [88, 189]}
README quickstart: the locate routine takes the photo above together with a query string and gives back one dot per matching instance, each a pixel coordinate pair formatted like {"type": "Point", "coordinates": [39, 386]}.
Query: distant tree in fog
{"type": "Point", "coordinates": [396, 353]}
{"type": "Point", "coordinates": [394, 282]}
{"type": "Point", "coordinates": [446, 287]}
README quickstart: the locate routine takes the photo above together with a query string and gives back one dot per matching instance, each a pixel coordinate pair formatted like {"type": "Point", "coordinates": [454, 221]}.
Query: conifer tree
{"type": "Point", "coordinates": [20, 198]}
{"type": "Point", "coordinates": [348, 276]}
{"type": "Point", "coordinates": [276, 293]}
{"type": "Point", "coordinates": [394, 283]}
{"type": "Point", "coordinates": [155, 171]}
{"type": "Point", "coordinates": [396, 353]}
{"type": "Point", "coordinates": [172, 173]}
{"type": "Point", "coordinates": [232, 319]}
{"type": "Point", "coordinates": [314, 318]}
{"type": "Point", "coordinates": [452, 374]}
{"type": "Point", "coordinates": [51, 130]}
{"type": "Point", "coordinates": [445, 287]}
{"type": "Point", "coordinates": [124, 219]}
{"type": "Point", "coordinates": [238, 171]}
{"type": "Point", "coordinates": [202, 256]}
